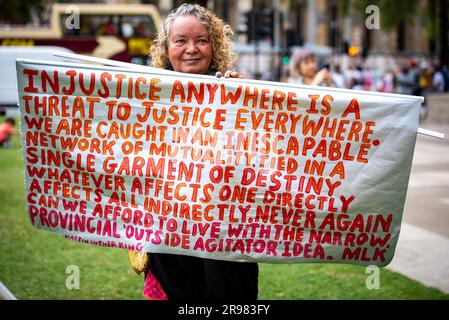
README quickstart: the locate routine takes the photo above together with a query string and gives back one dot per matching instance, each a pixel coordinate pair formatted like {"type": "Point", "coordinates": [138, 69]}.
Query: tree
{"type": "Point", "coordinates": [395, 13]}
{"type": "Point", "coordinates": [444, 31]}
{"type": "Point", "coordinates": [19, 11]}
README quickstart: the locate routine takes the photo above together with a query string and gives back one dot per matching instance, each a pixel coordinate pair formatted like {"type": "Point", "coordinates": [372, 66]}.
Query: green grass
{"type": "Point", "coordinates": [33, 262]}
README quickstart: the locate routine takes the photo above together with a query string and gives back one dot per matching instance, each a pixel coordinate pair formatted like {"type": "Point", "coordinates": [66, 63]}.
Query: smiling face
{"type": "Point", "coordinates": [189, 48]}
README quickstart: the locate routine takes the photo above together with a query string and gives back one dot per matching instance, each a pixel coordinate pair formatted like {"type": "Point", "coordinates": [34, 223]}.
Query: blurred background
{"type": "Point", "coordinates": [384, 46]}
{"type": "Point", "coordinates": [348, 32]}
{"type": "Point", "coordinates": [368, 46]}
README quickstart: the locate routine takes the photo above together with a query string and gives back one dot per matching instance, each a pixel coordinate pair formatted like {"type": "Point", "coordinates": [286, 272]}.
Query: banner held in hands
{"type": "Point", "coordinates": [227, 169]}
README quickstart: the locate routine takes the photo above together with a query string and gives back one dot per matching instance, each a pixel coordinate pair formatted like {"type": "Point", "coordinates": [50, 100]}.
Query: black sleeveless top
{"type": "Point", "coordinates": [198, 279]}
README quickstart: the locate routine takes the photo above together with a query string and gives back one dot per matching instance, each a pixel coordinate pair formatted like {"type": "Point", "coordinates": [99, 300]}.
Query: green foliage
{"type": "Point", "coordinates": [392, 12]}
{"type": "Point", "coordinates": [19, 11]}
{"type": "Point", "coordinates": [432, 20]}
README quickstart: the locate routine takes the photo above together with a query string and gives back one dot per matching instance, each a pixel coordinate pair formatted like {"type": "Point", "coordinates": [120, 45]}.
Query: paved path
{"type": "Point", "coordinates": [422, 252]}
{"type": "Point", "coordinates": [422, 256]}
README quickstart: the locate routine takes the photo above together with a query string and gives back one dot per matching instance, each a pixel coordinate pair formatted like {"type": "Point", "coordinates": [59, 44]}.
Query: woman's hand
{"type": "Point", "coordinates": [323, 76]}
{"type": "Point", "coordinates": [229, 74]}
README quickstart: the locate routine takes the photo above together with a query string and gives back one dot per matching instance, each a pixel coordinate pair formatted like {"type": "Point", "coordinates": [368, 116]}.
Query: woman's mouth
{"type": "Point", "coordinates": [191, 60]}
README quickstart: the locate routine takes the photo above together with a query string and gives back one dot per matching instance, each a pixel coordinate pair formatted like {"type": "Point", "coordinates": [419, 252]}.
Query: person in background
{"type": "Point", "coordinates": [445, 73]}
{"type": "Point", "coordinates": [386, 82]}
{"type": "Point", "coordinates": [358, 79]}
{"type": "Point", "coordinates": [304, 70]}
{"type": "Point", "coordinates": [406, 81]}
{"type": "Point", "coordinates": [108, 29]}
{"type": "Point", "coordinates": [414, 72]}
{"type": "Point", "coordinates": [194, 40]}
{"type": "Point", "coordinates": [368, 78]}
{"type": "Point", "coordinates": [438, 82]}
{"type": "Point", "coordinates": [425, 77]}
{"type": "Point", "coordinates": [6, 131]}
{"type": "Point", "coordinates": [339, 78]}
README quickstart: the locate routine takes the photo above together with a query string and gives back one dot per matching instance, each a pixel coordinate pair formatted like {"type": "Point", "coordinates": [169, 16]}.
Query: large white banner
{"type": "Point", "coordinates": [227, 169]}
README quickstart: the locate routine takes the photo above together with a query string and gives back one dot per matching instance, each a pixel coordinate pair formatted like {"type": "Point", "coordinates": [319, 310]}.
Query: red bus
{"type": "Point", "coordinates": [122, 32]}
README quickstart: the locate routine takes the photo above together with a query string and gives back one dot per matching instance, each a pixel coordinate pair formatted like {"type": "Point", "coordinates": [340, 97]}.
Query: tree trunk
{"type": "Point", "coordinates": [444, 30]}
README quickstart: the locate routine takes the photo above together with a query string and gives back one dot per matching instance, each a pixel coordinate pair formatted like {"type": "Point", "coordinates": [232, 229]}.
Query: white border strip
{"type": "Point", "coordinates": [5, 294]}
{"type": "Point", "coordinates": [431, 133]}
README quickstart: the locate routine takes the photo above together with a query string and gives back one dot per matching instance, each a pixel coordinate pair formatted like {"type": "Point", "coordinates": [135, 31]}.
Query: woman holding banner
{"type": "Point", "coordinates": [194, 40]}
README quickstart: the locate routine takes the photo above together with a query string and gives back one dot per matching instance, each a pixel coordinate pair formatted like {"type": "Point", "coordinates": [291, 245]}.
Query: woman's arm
{"type": "Point", "coordinates": [323, 76]}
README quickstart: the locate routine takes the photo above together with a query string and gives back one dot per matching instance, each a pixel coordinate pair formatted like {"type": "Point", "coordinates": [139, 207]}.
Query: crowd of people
{"type": "Point", "coordinates": [412, 77]}
{"type": "Point", "coordinates": [6, 132]}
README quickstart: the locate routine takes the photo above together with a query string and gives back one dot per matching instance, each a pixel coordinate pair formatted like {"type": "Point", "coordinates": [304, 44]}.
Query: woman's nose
{"type": "Point", "coordinates": [191, 46]}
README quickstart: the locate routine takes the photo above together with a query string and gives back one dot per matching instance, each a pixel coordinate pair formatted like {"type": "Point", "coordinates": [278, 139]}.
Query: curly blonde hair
{"type": "Point", "coordinates": [219, 36]}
